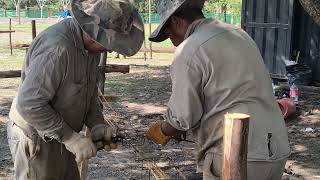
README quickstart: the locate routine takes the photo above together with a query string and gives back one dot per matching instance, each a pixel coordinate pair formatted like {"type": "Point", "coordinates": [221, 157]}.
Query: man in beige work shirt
{"type": "Point", "coordinates": [58, 93]}
{"type": "Point", "coordinates": [218, 68]}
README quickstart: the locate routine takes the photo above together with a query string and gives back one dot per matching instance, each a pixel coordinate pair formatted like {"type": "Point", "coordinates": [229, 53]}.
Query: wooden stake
{"type": "Point", "coordinates": [34, 30]}
{"type": "Point", "coordinates": [145, 49]}
{"type": "Point", "coordinates": [150, 44]}
{"type": "Point", "coordinates": [235, 148]}
{"type": "Point", "coordinates": [19, 11]}
{"type": "Point", "coordinates": [102, 75]}
{"type": "Point", "coordinates": [85, 164]}
{"type": "Point", "coordinates": [10, 39]}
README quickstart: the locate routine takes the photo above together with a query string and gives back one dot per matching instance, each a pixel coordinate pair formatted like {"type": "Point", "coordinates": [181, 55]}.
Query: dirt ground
{"type": "Point", "coordinates": [143, 95]}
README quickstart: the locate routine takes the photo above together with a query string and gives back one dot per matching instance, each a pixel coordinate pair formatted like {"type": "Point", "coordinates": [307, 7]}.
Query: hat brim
{"type": "Point", "coordinates": [127, 44]}
{"type": "Point", "coordinates": [158, 35]}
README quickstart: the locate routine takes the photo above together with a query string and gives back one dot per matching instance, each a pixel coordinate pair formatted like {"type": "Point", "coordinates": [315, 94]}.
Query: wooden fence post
{"type": "Point", "coordinates": [235, 147]}
{"type": "Point", "coordinates": [26, 11]}
{"type": "Point", "coordinates": [150, 43]}
{"type": "Point", "coordinates": [34, 11]}
{"type": "Point", "coordinates": [34, 30]}
{"type": "Point", "coordinates": [10, 38]}
{"type": "Point", "coordinates": [5, 10]}
{"type": "Point", "coordinates": [18, 11]}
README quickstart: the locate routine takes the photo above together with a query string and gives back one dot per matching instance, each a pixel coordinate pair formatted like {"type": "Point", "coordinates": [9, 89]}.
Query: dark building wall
{"type": "Point", "coordinates": [306, 39]}
{"type": "Point", "coordinates": [281, 28]}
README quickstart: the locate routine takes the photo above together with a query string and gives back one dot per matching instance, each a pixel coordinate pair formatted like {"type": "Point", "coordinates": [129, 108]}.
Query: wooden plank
{"type": "Point", "coordinates": [105, 69]}
{"type": "Point", "coordinates": [10, 31]}
{"type": "Point", "coordinates": [281, 40]}
{"type": "Point", "coordinates": [110, 68]}
{"type": "Point", "coordinates": [290, 20]}
{"type": "Point", "coordinates": [10, 74]}
{"type": "Point", "coordinates": [251, 15]}
{"type": "Point", "coordinates": [267, 25]}
{"type": "Point", "coordinates": [270, 38]}
{"type": "Point", "coordinates": [159, 50]}
{"type": "Point", "coordinates": [235, 147]}
{"type": "Point", "coordinates": [260, 18]}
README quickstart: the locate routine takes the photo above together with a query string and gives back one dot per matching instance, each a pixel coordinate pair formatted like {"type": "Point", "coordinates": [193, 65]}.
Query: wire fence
{"type": "Point", "coordinates": [36, 13]}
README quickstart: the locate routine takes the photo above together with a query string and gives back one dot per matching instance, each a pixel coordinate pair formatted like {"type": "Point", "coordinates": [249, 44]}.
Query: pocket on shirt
{"type": "Point", "coordinates": [74, 94]}
{"type": "Point", "coordinates": [212, 165]}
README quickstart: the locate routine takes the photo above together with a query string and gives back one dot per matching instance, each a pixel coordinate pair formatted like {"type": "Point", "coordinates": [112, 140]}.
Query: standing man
{"type": "Point", "coordinates": [217, 68]}
{"type": "Point", "coordinates": [58, 93]}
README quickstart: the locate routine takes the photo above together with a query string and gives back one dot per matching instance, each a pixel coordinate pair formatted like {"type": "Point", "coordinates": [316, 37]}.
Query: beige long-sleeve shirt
{"type": "Point", "coordinates": [58, 93]}
{"type": "Point", "coordinates": [218, 69]}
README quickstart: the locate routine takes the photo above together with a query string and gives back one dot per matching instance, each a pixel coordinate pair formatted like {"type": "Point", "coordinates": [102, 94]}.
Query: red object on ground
{"type": "Point", "coordinates": [287, 106]}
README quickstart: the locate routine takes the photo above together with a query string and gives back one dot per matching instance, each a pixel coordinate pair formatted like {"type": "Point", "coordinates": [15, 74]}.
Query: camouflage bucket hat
{"type": "Point", "coordinates": [115, 24]}
{"type": "Point", "coordinates": [165, 9]}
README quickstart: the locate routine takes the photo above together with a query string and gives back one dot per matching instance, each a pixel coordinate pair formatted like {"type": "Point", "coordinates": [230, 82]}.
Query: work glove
{"type": "Point", "coordinates": [155, 134]}
{"type": "Point", "coordinates": [82, 147]}
{"type": "Point", "coordinates": [101, 135]}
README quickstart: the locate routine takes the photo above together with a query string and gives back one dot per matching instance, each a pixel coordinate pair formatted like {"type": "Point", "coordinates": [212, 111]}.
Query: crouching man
{"type": "Point", "coordinates": [217, 68]}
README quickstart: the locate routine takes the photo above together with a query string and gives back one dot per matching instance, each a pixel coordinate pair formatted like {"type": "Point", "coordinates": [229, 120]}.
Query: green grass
{"type": "Point", "coordinates": [25, 28]}
{"type": "Point", "coordinates": [15, 61]}
{"type": "Point", "coordinates": [11, 62]}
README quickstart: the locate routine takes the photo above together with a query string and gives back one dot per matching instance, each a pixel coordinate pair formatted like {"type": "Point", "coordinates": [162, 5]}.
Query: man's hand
{"type": "Point", "coordinates": [101, 134]}
{"type": "Point", "coordinates": [80, 146]}
{"type": "Point", "coordinates": [155, 134]}
{"type": "Point", "coordinates": [161, 132]}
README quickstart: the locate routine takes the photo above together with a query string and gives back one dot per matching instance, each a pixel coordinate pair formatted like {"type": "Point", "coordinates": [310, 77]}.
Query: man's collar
{"type": "Point", "coordinates": [77, 35]}
{"type": "Point", "coordinates": [195, 25]}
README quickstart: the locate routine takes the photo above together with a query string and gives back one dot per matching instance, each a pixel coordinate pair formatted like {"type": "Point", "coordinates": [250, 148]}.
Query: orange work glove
{"type": "Point", "coordinates": [155, 134]}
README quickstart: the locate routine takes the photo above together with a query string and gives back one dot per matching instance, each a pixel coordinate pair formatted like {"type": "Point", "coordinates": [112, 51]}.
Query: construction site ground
{"type": "Point", "coordinates": [141, 98]}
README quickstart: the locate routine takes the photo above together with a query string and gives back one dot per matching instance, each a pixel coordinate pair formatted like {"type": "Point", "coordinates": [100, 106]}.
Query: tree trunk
{"type": "Point", "coordinates": [224, 11]}
{"type": "Point", "coordinates": [313, 9]}
{"type": "Point", "coordinates": [41, 8]}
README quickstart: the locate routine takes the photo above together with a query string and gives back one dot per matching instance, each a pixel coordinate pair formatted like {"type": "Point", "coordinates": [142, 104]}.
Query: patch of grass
{"type": "Point", "coordinates": [25, 28]}
{"type": "Point", "coordinates": [15, 61]}
{"type": "Point", "coordinates": [11, 62]}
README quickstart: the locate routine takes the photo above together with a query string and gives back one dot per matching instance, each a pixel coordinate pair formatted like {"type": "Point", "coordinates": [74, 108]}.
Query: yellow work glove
{"type": "Point", "coordinates": [155, 134]}
{"type": "Point", "coordinates": [101, 135]}
{"type": "Point", "coordinates": [82, 147]}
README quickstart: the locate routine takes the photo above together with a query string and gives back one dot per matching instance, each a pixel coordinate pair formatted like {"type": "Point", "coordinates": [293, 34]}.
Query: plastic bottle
{"type": "Point", "coordinates": [294, 93]}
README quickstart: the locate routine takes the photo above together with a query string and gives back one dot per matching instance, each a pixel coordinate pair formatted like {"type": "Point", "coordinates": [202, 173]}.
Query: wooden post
{"type": "Point", "coordinates": [5, 10]}
{"type": "Point", "coordinates": [10, 39]}
{"type": "Point", "coordinates": [34, 30]}
{"type": "Point", "coordinates": [145, 49]}
{"type": "Point", "coordinates": [85, 164]}
{"type": "Point", "coordinates": [235, 147]}
{"type": "Point", "coordinates": [102, 75]}
{"type": "Point", "coordinates": [18, 11]}
{"type": "Point", "coordinates": [150, 44]}
{"type": "Point", "coordinates": [26, 11]}
{"type": "Point", "coordinates": [34, 11]}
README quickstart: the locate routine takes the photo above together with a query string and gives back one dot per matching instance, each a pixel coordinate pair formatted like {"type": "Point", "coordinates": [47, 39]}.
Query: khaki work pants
{"type": "Point", "coordinates": [40, 160]}
{"type": "Point", "coordinates": [261, 170]}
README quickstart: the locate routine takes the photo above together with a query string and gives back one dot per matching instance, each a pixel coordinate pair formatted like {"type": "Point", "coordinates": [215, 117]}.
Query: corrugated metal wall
{"type": "Point", "coordinates": [269, 23]}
